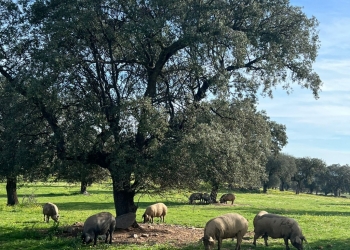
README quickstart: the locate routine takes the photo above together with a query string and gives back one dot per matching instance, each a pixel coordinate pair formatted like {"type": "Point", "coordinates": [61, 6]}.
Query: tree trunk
{"type": "Point", "coordinates": [264, 188]}
{"type": "Point", "coordinates": [11, 190]}
{"type": "Point", "coordinates": [83, 186]}
{"type": "Point", "coordinates": [282, 186]}
{"type": "Point", "coordinates": [214, 193]}
{"type": "Point", "coordinates": [297, 190]}
{"type": "Point", "coordinates": [123, 199]}
{"type": "Point", "coordinates": [337, 192]}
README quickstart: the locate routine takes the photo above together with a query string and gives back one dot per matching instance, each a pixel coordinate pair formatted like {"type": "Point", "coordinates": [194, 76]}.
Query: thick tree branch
{"type": "Point", "coordinates": [164, 56]}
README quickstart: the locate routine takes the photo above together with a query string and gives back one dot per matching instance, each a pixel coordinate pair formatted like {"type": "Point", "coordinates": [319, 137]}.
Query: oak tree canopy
{"type": "Point", "coordinates": [160, 93]}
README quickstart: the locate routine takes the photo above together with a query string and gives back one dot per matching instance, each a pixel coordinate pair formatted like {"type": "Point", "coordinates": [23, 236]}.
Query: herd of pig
{"type": "Point", "coordinates": [231, 225]}
{"type": "Point", "coordinates": [206, 198]}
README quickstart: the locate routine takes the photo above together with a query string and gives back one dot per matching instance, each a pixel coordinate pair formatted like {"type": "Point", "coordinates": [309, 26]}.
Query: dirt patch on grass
{"type": "Point", "coordinates": [159, 234]}
{"type": "Point", "coordinates": [151, 234]}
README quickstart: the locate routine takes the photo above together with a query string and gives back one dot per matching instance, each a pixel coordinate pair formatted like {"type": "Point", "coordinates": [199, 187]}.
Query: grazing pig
{"type": "Point", "coordinates": [50, 210]}
{"type": "Point", "coordinates": [227, 197]}
{"type": "Point", "coordinates": [256, 218]}
{"type": "Point", "coordinates": [225, 226]}
{"type": "Point", "coordinates": [206, 198]}
{"type": "Point", "coordinates": [195, 196]}
{"type": "Point", "coordinates": [277, 226]}
{"type": "Point", "coordinates": [155, 210]}
{"type": "Point", "coordinates": [98, 224]}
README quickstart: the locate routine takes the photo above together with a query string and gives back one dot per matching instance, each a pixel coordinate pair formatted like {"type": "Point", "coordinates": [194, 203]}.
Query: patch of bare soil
{"type": "Point", "coordinates": [151, 234]}
{"type": "Point", "coordinates": [159, 234]}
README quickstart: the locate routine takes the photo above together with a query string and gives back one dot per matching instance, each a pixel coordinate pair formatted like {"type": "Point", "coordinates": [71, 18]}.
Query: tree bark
{"type": "Point", "coordinates": [297, 190]}
{"type": "Point", "coordinates": [298, 186]}
{"type": "Point", "coordinates": [123, 198]}
{"type": "Point", "coordinates": [214, 193]}
{"type": "Point", "coordinates": [337, 193]}
{"type": "Point", "coordinates": [83, 187]}
{"type": "Point", "coordinates": [264, 188]}
{"type": "Point", "coordinates": [11, 190]}
{"type": "Point", "coordinates": [282, 186]}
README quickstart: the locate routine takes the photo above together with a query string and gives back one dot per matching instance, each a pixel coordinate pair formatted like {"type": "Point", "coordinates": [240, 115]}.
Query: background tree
{"type": "Point", "coordinates": [307, 168]}
{"type": "Point", "coordinates": [9, 22]}
{"type": "Point", "coordinates": [346, 178]}
{"type": "Point", "coordinates": [315, 182]}
{"type": "Point", "coordinates": [85, 175]}
{"type": "Point", "coordinates": [279, 169]}
{"type": "Point", "coordinates": [335, 179]}
{"type": "Point", "coordinates": [118, 83]}
{"type": "Point", "coordinates": [228, 138]}
{"type": "Point", "coordinates": [23, 150]}
{"type": "Point", "coordinates": [324, 180]}
{"type": "Point", "coordinates": [288, 169]}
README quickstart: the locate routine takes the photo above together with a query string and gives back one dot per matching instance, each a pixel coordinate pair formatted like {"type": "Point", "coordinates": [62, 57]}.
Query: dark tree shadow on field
{"type": "Point", "coordinates": [75, 192]}
{"type": "Point", "coordinates": [44, 239]}
{"type": "Point", "coordinates": [69, 193]}
{"type": "Point", "coordinates": [288, 211]}
{"type": "Point", "coordinates": [167, 203]}
{"type": "Point", "coordinates": [319, 244]}
{"type": "Point", "coordinates": [47, 195]}
{"type": "Point", "coordinates": [335, 204]}
{"type": "Point", "coordinates": [329, 244]}
{"type": "Point", "coordinates": [71, 206]}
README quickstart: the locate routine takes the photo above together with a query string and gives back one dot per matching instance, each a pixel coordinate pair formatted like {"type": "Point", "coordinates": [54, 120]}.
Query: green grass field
{"type": "Point", "coordinates": [324, 220]}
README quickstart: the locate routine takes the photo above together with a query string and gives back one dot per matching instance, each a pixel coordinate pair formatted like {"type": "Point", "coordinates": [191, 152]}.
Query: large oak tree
{"type": "Point", "coordinates": [125, 84]}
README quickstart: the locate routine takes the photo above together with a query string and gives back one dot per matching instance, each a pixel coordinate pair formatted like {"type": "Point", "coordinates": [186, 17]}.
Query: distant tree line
{"type": "Point", "coordinates": [310, 175]}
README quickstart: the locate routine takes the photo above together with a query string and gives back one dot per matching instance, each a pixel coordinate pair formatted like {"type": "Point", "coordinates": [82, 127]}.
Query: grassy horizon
{"type": "Point", "coordinates": [324, 220]}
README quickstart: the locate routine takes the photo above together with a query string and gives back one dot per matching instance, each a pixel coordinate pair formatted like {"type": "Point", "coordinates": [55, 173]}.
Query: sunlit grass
{"type": "Point", "coordinates": [324, 220]}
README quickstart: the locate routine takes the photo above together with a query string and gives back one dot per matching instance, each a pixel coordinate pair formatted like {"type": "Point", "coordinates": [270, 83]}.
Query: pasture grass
{"type": "Point", "coordinates": [324, 220]}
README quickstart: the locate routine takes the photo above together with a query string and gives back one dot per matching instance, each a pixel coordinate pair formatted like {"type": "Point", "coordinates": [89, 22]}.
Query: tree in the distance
{"type": "Point", "coordinates": [75, 172]}
{"type": "Point", "coordinates": [307, 168]}
{"type": "Point", "coordinates": [229, 138]}
{"type": "Point", "coordinates": [279, 169]}
{"type": "Point", "coordinates": [288, 168]}
{"type": "Point", "coordinates": [335, 179]}
{"type": "Point", "coordinates": [24, 151]}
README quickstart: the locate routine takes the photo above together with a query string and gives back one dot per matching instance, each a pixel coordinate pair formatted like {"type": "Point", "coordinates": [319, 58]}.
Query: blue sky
{"type": "Point", "coordinates": [320, 128]}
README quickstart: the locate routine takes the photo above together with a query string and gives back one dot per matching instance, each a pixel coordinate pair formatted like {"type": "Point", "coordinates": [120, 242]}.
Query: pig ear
{"type": "Point", "coordinates": [211, 239]}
